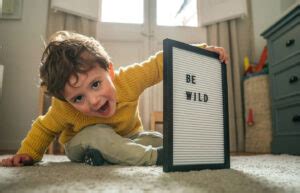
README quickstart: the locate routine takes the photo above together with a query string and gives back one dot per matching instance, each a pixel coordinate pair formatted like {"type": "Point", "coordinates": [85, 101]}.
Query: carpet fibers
{"type": "Point", "coordinates": [257, 174]}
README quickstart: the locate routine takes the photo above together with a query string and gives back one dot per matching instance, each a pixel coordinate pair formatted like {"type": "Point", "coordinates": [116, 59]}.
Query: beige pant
{"type": "Point", "coordinates": [140, 149]}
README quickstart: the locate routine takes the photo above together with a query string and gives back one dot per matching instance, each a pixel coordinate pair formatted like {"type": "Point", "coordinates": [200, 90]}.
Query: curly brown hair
{"type": "Point", "coordinates": [68, 54]}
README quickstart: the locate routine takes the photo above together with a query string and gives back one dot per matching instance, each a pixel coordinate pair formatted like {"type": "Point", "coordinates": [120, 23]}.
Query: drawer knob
{"type": "Point", "coordinates": [296, 118]}
{"type": "Point", "coordinates": [289, 42]}
{"type": "Point", "coordinates": [293, 79]}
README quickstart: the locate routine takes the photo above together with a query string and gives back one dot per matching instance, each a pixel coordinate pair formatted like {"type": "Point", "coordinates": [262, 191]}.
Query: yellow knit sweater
{"type": "Point", "coordinates": [65, 120]}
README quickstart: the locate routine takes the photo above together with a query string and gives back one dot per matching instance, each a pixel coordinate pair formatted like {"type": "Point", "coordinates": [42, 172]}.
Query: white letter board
{"type": "Point", "coordinates": [195, 109]}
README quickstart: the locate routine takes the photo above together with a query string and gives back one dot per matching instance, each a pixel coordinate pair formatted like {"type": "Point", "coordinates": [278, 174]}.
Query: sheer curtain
{"type": "Point", "coordinates": [150, 101]}
{"type": "Point", "coordinates": [58, 20]}
{"type": "Point", "coordinates": [236, 36]}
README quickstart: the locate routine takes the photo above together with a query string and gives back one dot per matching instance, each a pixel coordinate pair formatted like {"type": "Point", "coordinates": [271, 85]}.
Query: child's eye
{"type": "Point", "coordinates": [96, 84]}
{"type": "Point", "coordinates": [78, 99]}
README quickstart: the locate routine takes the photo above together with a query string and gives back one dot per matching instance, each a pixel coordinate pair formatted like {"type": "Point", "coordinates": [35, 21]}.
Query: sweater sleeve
{"type": "Point", "coordinates": [134, 79]}
{"type": "Point", "coordinates": [137, 77]}
{"type": "Point", "coordinates": [42, 132]}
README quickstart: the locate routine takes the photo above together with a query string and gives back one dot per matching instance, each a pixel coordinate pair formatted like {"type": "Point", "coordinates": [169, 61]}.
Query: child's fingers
{"type": "Point", "coordinates": [17, 161]}
{"type": "Point", "coordinates": [226, 59]}
{"type": "Point", "coordinates": [2, 162]}
{"type": "Point", "coordinates": [223, 55]}
{"type": "Point", "coordinates": [7, 162]}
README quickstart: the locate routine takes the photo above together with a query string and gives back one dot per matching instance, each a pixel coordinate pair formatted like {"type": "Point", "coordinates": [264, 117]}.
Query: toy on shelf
{"type": "Point", "coordinates": [254, 70]}
{"type": "Point", "coordinates": [247, 66]}
{"type": "Point", "coordinates": [262, 60]}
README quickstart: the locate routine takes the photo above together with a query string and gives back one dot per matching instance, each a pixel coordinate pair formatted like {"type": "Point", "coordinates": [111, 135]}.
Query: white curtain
{"type": "Point", "coordinates": [58, 20]}
{"type": "Point", "coordinates": [150, 101]}
{"type": "Point", "coordinates": [236, 36]}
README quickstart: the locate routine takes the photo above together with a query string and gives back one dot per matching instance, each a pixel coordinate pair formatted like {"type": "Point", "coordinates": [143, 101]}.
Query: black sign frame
{"type": "Point", "coordinates": [168, 165]}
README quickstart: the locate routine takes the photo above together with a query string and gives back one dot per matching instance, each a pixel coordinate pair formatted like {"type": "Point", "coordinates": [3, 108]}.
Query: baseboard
{"type": "Point", "coordinates": [9, 145]}
{"type": "Point", "coordinates": [246, 153]}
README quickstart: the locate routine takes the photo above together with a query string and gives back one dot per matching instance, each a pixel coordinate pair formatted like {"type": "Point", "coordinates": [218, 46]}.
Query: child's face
{"type": "Point", "coordinates": [94, 93]}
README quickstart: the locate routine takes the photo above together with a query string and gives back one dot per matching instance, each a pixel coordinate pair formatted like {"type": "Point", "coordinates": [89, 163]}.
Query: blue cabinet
{"type": "Point", "coordinates": [283, 39]}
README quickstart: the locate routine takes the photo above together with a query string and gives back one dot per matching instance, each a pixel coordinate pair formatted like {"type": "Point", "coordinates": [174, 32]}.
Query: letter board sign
{"type": "Point", "coordinates": [195, 109]}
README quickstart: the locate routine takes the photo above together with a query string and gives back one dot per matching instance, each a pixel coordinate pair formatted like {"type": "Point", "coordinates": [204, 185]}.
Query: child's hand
{"type": "Point", "coordinates": [223, 56]}
{"type": "Point", "coordinates": [17, 160]}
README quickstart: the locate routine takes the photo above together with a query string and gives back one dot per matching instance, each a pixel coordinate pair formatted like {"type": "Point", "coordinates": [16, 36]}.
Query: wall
{"type": "Point", "coordinates": [264, 14]}
{"type": "Point", "coordinates": [20, 53]}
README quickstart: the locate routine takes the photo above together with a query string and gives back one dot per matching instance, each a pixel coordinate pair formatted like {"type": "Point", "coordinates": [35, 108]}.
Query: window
{"type": "Point", "coordinates": [168, 12]}
{"type": "Point", "coordinates": [10, 9]}
{"type": "Point", "coordinates": [123, 11]}
{"type": "Point", "coordinates": [177, 13]}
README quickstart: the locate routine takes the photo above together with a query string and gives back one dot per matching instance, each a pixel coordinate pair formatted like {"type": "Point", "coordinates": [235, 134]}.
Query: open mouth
{"type": "Point", "coordinates": [104, 107]}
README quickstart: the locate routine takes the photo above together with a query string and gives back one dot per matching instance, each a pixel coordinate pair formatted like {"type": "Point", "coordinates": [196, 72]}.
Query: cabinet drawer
{"type": "Point", "coordinates": [286, 44]}
{"type": "Point", "coordinates": [286, 82]}
{"type": "Point", "coordinates": [287, 119]}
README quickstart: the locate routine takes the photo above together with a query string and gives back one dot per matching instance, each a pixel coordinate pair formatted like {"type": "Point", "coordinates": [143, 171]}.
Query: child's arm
{"type": "Point", "coordinates": [33, 146]}
{"type": "Point", "coordinates": [40, 135]}
{"type": "Point", "coordinates": [134, 79]}
{"type": "Point", "coordinates": [138, 77]}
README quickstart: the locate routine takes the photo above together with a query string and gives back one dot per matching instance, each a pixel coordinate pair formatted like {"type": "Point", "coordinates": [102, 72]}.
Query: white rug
{"type": "Point", "coordinates": [257, 174]}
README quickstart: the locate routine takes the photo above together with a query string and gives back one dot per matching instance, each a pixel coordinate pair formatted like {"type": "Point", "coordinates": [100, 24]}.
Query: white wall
{"type": "Point", "coordinates": [20, 53]}
{"type": "Point", "coordinates": [264, 14]}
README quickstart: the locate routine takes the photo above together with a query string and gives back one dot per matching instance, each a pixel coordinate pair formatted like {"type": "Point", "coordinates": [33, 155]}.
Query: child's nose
{"type": "Point", "coordinates": [94, 101]}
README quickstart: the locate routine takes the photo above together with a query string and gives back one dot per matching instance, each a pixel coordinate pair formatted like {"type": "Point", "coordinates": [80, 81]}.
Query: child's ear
{"type": "Point", "coordinates": [111, 71]}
